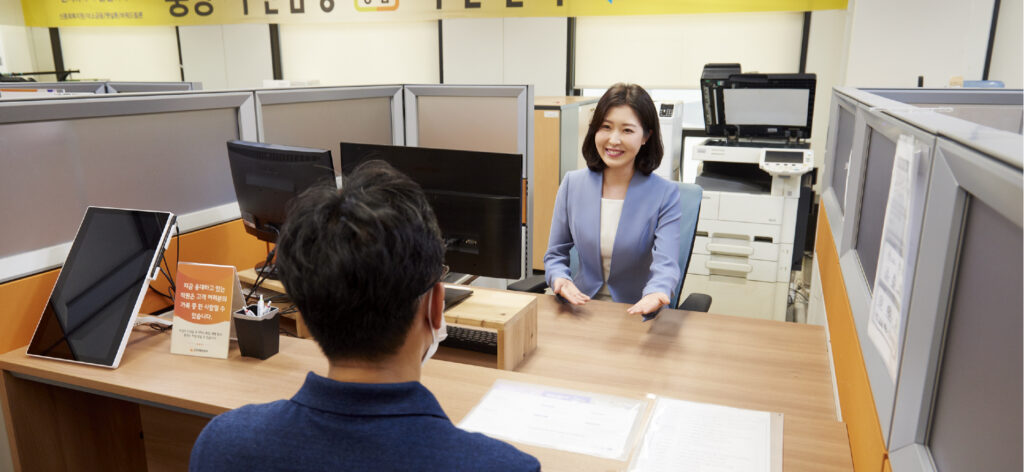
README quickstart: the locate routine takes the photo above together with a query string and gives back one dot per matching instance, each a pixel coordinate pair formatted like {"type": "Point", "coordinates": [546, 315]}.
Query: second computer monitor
{"type": "Point", "coordinates": [476, 196]}
{"type": "Point", "coordinates": [268, 176]}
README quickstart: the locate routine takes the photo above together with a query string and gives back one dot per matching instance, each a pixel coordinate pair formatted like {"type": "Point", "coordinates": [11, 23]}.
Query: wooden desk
{"type": "Point", "coordinates": [726, 360]}
{"type": "Point", "coordinates": [150, 409]}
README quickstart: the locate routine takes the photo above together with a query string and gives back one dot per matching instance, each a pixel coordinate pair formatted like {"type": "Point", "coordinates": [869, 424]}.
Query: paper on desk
{"type": "Point", "coordinates": [896, 255]}
{"type": "Point", "coordinates": [686, 435]}
{"type": "Point", "coordinates": [568, 420]}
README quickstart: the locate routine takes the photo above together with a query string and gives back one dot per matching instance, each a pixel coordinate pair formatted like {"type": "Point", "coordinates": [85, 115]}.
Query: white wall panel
{"type": "Point", "coordinates": [534, 53]}
{"type": "Point", "coordinates": [892, 43]}
{"type": "Point", "coordinates": [826, 55]}
{"type": "Point", "coordinates": [473, 50]}
{"type": "Point", "coordinates": [511, 51]}
{"type": "Point", "coordinates": [226, 56]}
{"type": "Point", "coordinates": [11, 13]}
{"type": "Point", "coordinates": [1007, 54]}
{"type": "Point", "coordinates": [670, 51]}
{"type": "Point", "coordinates": [123, 53]}
{"type": "Point", "coordinates": [16, 49]}
{"type": "Point", "coordinates": [361, 53]}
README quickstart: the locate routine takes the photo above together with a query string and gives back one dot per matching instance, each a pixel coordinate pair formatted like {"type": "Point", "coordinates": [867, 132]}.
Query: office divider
{"type": "Point", "coordinates": [495, 118]}
{"type": "Point", "coordinates": [156, 152]}
{"type": "Point", "coordinates": [167, 151]}
{"type": "Point", "coordinates": [322, 117]}
{"type": "Point", "coordinates": [865, 129]}
{"type": "Point", "coordinates": [106, 87]}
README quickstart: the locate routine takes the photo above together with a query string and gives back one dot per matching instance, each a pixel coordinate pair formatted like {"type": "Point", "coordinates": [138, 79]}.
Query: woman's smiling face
{"type": "Point", "coordinates": [620, 137]}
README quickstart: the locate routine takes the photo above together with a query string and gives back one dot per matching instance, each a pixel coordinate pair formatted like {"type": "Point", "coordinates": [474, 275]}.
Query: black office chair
{"type": "Point", "coordinates": [690, 200]}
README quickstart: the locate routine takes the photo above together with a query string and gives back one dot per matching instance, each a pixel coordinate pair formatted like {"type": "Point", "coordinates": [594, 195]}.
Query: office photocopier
{"type": "Point", "coordinates": [754, 171]}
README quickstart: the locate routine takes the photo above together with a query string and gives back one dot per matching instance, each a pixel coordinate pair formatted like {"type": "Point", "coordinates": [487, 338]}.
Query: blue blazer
{"type": "Point", "coordinates": [647, 241]}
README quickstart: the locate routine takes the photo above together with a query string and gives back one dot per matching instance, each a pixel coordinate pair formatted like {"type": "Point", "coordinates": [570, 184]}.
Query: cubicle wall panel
{"type": "Point", "coordinates": [322, 117]}
{"type": "Point", "coordinates": [439, 116]}
{"type": "Point", "coordinates": [881, 154]}
{"type": "Point", "coordinates": [168, 162]}
{"type": "Point", "coordinates": [40, 185]}
{"type": "Point", "coordinates": [976, 418]}
{"type": "Point", "coordinates": [960, 383]}
{"type": "Point", "coordinates": [25, 299]}
{"type": "Point", "coordinates": [154, 152]}
{"type": "Point", "coordinates": [173, 163]}
{"type": "Point", "coordinates": [856, 400]}
{"type": "Point", "coordinates": [323, 125]}
{"type": "Point", "coordinates": [490, 118]}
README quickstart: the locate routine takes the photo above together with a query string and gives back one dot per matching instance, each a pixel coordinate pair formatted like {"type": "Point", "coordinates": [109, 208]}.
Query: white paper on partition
{"type": "Point", "coordinates": [894, 257]}
{"type": "Point", "coordinates": [686, 435]}
{"type": "Point", "coordinates": [568, 420]}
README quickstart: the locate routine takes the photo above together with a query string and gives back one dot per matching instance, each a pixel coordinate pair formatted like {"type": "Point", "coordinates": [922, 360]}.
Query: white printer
{"type": "Point", "coordinates": [670, 122]}
{"type": "Point", "coordinates": [754, 172]}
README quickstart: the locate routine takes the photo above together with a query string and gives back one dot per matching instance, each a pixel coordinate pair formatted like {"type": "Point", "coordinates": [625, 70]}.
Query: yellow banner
{"type": "Point", "coordinates": [57, 13]}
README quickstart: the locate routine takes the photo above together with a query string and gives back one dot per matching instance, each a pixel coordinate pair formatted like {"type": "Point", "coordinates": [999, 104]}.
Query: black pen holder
{"type": "Point", "coordinates": [258, 336]}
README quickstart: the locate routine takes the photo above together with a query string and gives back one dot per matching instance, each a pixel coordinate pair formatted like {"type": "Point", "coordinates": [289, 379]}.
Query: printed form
{"type": "Point", "coordinates": [568, 420]}
{"type": "Point", "coordinates": [685, 435]}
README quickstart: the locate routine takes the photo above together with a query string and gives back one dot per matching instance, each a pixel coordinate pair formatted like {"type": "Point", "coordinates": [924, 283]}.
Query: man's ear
{"type": "Point", "coordinates": [435, 309]}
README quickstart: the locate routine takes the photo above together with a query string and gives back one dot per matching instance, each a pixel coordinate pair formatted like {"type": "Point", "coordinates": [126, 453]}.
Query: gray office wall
{"type": "Point", "coordinates": [324, 124]}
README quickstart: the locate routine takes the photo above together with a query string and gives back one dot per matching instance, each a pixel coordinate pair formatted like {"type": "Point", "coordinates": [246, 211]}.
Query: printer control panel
{"type": "Point", "coordinates": [785, 162]}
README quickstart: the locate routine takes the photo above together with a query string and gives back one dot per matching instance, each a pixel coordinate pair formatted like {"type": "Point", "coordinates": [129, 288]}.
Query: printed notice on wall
{"type": "Point", "coordinates": [204, 298]}
{"type": "Point", "coordinates": [896, 255]}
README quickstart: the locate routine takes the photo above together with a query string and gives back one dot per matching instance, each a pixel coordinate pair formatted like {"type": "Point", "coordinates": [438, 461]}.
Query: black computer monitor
{"type": "Point", "coordinates": [268, 176]}
{"type": "Point", "coordinates": [476, 196]}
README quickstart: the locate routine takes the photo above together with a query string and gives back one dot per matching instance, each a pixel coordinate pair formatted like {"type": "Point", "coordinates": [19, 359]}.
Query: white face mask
{"type": "Point", "coordinates": [437, 335]}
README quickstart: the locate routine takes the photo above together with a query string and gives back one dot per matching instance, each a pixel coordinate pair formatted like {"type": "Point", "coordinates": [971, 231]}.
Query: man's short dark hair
{"type": "Point", "coordinates": [356, 261]}
{"type": "Point", "coordinates": [634, 96]}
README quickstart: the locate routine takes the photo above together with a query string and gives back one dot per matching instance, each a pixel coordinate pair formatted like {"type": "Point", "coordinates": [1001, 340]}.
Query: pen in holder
{"type": "Point", "coordinates": [258, 336]}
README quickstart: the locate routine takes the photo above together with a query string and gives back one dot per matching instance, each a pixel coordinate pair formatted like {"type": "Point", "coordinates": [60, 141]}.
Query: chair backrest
{"type": "Point", "coordinates": [690, 196]}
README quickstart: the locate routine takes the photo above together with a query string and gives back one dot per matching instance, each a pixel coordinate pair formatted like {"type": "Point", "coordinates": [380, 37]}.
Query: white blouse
{"type": "Point", "coordinates": [611, 211]}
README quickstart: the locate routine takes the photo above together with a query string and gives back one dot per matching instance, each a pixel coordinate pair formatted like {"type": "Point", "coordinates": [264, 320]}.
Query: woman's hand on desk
{"type": "Point", "coordinates": [649, 304]}
{"type": "Point", "coordinates": [569, 292]}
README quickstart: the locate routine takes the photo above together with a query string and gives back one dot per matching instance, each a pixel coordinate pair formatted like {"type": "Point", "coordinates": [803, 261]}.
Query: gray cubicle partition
{"type": "Point", "coordinates": [69, 87]}
{"type": "Point", "coordinates": [155, 152]}
{"type": "Point", "coordinates": [322, 117]}
{"type": "Point", "coordinates": [138, 87]}
{"type": "Point", "coordinates": [494, 118]}
{"type": "Point", "coordinates": [990, 175]}
{"type": "Point", "coordinates": [959, 394]}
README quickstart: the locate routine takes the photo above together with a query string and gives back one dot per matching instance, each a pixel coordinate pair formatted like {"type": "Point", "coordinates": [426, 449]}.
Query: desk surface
{"type": "Point", "coordinates": [718, 359]}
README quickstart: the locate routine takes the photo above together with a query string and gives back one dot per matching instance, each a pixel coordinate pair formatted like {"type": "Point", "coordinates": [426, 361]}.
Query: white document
{"type": "Point", "coordinates": [702, 437]}
{"type": "Point", "coordinates": [895, 256]}
{"type": "Point", "coordinates": [569, 420]}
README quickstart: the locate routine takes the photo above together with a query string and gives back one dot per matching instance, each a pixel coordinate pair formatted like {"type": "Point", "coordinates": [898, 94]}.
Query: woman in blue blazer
{"type": "Point", "coordinates": [622, 219]}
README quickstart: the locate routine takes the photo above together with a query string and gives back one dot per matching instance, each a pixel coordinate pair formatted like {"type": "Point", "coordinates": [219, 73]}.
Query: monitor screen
{"type": "Point", "coordinates": [976, 415]}
{"type": "Point", "coordinates": [841, 156]}
{"type": "Point", "coordinates": [101, 285]}
{"type": "Point", "coordinates": [268, 176]}
{"type": "Point", "coordinates": [476, 196]}
{"type": "Point", "coordinates": [875, 197]}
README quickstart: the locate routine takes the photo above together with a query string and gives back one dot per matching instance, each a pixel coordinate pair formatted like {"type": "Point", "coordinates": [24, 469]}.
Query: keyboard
{"type": "Point", "coordinates": [472, 340]}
